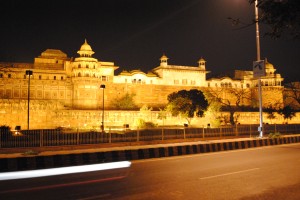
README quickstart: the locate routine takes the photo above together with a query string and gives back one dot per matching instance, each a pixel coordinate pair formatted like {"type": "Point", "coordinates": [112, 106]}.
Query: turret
{"type": "Point", "coordinates": [201, 63]}
{"type": "Point", "coordinates": [164, 61]}
{"type": "Point", "coordinates": [85, 50]}
{"type": "Point", "coordinates": [86, 74]}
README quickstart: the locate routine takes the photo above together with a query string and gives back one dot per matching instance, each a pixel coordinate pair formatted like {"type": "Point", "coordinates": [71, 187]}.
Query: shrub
{"type": "Point", "coordinates": [4, 128]}
{"type": "Point", "coordinates": [274, 135]}
{"type": "Point", "coordinates": [149, 125]}
{"type": "Point", "coordinates": [140, 123]}
{"type": "Point", "coordinates": [30, 152]}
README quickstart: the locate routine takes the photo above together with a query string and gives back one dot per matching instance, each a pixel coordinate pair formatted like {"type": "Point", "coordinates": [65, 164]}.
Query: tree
{"type": "Point", "coordinates": [145, 119]}
{"type": "Point", "coordinates": [230, 99]}
{"type": "Point", "coordinates": [187, 104]}
{"type": "Point", "coordinates": [283, 16]}
{"type": "Point", "coordinates": [126, 102]}
{"type": "Point", "coordinates": [162, 115]}
{"type": "Point", "coordinates": [292, 94]}
{"type": "Point", "coordinates": [213, 111]}
{"type": "Point", "coordinates": [270, 113]}
{"type": "Point", "coordinates": [287, 112]}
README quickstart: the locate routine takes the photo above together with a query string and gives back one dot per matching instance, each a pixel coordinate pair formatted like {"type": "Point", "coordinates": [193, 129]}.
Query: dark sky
{"type": "Point", "coordinates": [135, 33]}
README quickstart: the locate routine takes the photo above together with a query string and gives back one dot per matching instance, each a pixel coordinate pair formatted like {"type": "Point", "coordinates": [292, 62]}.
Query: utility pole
{"type": "Point", "coordinates": [28, 73]}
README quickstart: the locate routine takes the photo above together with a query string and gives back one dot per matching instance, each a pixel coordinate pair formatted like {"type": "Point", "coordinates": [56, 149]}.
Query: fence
{"type": "Point", "coordinates": [58, 137]}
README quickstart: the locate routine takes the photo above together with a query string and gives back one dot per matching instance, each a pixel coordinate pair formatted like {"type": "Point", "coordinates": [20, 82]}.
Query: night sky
{"type": "Point", "coordinates": [135, 33]}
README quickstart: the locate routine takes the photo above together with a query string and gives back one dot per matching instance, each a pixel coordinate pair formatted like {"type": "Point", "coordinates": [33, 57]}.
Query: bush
{"type": "Point", "coordinates": [140, 123]}
{"type": "Point", "coordinates": [4, 128]}
{"type": "Point", "coordinates": [274, 135]}
{"type": "Point", "coordinates": [149, 125]}
{"type": "Point", "coordinates": [30, 152]}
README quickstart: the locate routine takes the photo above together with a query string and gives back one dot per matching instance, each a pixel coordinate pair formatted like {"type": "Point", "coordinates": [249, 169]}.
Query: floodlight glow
{"type": "Point", "coordinates": [63, 170]}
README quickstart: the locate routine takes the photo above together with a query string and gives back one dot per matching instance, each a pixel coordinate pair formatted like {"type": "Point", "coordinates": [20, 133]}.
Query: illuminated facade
{"type": "Point", "coordinates": [62, 88]}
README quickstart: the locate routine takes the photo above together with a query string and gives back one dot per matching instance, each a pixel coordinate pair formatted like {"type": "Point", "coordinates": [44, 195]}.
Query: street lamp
{"type": "Point", "coordinates": [260, 129]}
{"type": "Point", "coordinates": [257, 31]}
{"type": "Point", "coordinates": [28, 73]}
{"type": "Point", "coordinates": [102, 86]}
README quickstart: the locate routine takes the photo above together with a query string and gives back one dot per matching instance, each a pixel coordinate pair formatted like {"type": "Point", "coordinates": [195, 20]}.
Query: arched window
{"type": "Point", "coordinates": [267, 83]}
{"type": "Point", "coordinates": [87, 66]}
{"type": "Point", "coordinates": [79, 66]}
{"type": "Point", "coordinates": [79, 74]}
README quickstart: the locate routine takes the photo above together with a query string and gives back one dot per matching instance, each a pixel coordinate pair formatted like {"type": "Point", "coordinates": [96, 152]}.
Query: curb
{"type": "Point", "coordinates": [73, 159]}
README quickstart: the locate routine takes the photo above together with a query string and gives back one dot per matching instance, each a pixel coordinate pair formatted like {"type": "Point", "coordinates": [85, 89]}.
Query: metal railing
{"type": "Point", "coordinates": [60, 137]}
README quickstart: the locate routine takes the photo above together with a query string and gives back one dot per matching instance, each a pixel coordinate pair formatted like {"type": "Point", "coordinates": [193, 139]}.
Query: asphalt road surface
{"type": "Point", "coordinates": [258, 173]}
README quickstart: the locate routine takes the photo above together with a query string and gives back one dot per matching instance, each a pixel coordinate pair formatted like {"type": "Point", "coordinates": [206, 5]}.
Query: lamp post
{"type": "Point", "coordinates": [102, 86]}
{"type": "Point", "coordinates": [257, 31]}
{"type": "Point", "coordinates": [28, 73]}
{"type": "Point", "coordinates": [260, 129]}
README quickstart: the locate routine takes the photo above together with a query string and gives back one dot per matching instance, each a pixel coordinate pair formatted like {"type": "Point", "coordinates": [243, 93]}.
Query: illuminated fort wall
{"type": "Point", "coordinates": [66, 91]}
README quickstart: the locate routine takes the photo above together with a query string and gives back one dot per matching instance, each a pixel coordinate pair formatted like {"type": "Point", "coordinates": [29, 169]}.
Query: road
{"type": "Point", "coordinates": [258, 173]}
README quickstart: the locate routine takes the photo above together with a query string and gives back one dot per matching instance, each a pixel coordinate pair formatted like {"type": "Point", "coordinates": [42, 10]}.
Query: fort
{"type": "Point", "coordinates": [67, 92]}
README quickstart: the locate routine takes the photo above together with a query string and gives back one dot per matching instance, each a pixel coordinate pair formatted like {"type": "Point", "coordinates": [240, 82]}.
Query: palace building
{"type": "Point", "coordinates": [64, 90]}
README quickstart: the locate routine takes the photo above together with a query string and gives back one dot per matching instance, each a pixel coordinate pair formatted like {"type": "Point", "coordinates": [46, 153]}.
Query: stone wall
{"type": "Point", "coordinates": [151, 95]}
{"type": "Point", "coordinates": [52, 114]}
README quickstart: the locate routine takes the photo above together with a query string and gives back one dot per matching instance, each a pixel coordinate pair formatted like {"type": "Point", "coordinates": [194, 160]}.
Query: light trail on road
{"type": "Point", "coordinates": [63, 170]}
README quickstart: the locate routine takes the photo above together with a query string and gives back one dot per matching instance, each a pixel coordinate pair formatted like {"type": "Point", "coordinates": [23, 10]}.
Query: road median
{"type": "Point", "coordinates": [63, 158]}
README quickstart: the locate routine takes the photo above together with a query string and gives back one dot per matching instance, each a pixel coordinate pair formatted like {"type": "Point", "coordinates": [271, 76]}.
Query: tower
{"type": "Point", "coordinates": [86, 74]}
{"type": "Point", "coordinates": [201, 63]}
{"type": "Point", "coordinates": [164, 61]}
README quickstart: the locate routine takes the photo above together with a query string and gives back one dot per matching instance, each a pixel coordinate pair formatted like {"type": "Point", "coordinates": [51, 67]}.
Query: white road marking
{"type": "Point", "coordinates": [227, 174]}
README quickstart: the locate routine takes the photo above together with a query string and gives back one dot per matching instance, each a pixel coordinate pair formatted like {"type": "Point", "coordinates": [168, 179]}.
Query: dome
{"type": "Point", "coordinates": [85, 49]}
{"type": "Point", "coordinates": [269, 65]}
{"type": "Point", "coordinates": [201, 60]}
{"type": "Point", "coordinates": [85, 46]}
{"type": "Point", "coordinates": [53, 53]}
{"type": "Point", "coordinates": [164, 57]}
